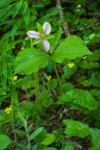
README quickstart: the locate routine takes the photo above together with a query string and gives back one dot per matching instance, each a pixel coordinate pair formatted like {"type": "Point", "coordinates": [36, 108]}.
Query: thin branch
{"type": "Point", "coordinates": [64, 23]}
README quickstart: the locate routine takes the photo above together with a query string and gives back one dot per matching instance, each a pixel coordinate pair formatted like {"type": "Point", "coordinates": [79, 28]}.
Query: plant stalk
{"type": "Point", "coordinates": [28, 138]}
{"type": "Point", "coordinates": [56, 71]}
{"type": "Point", "coordinates": [36, 85]}
{"type": "Point", "coordinates": [12, 112]}
{"type": "Point", "coordinates": [36, 80]}
{"type": "Point", "coordinates": [70, 113]}
{"type": "Point", "coordinates": [13, 123]}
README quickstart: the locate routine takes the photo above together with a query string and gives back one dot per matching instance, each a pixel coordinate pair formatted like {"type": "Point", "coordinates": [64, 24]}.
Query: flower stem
{"type": "Point", "coordinates": [56, 71]}
{"type": "Point", "coordinates": [36, 79]}
{"type": "Point", "coordinates": [13, 99]}
{"type": "Point", "coordinates": [36, 85]}
{"type": "Point", "coordinates": [13, 123]}
{"type": "Point", "coordinates": [70, 113]}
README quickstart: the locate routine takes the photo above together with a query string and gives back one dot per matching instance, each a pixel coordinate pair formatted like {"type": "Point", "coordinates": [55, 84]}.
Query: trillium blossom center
{"type": "Point", "coordinates": [36, 35]}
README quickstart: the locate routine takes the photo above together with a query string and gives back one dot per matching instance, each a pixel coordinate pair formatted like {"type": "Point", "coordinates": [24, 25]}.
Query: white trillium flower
{"type": "Point", "coordinates": [36, 35]}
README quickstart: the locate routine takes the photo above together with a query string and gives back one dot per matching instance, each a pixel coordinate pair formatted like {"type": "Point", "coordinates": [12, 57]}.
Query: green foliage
{"type": "Point", "coordinates": [39, 104]}
{"type": "Point", "coordinates": [4, 141]}
{"type": "Point", "coordinates": [68, 146]}
{"type": "Point", "coordinates": [68, 72]}
{"type": "Point", "coordinates": [78, 97]}
{"type": "Point", "coordinates": [71, 48]}
{"type": "Point", "coordinates": [30, 60]}
{"type": "Point", "coordinates": [36, 133]}
{"type": "Point", "coordinates": [95, 79]}
{"type": "Point", "coordinates": [50, 138]}
{"type": "Point", "coordinates": [95, 135]}
{"type": "Point", "coordinates": [52, 84]}
{"type": "Point", "coordinates": [76, 128]}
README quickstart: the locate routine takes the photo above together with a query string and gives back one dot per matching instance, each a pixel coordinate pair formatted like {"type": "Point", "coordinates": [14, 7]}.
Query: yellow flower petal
{"type": "Point", "coordinates": [48, 78]}
{"type": "Point", "coordinates": [70, 65]}
{"type": "Point", "coordinates": [15, 78]}
{"type": "Point", "coordinates": [8, 110]}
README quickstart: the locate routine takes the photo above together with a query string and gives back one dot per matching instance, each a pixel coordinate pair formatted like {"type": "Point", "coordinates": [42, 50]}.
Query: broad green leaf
{"type": "Point", "coordinates": [76, 128]}
{"type": "Point", "coordinates": [30, 60]}
{"type": "Point", "coordinates": [79, 97]}
{"type": "Point", "coordinates": [71, 48]}
{"type": "Point", "coordinates": [36, 133]}
{"type": "Point", "coordinates": [68, 146]}
{"type": "Point", "coordinates": [95, 135]}
{"type": "Point", "coordinates": [4, 141]}
{"type": "Point", "coordinates": [50, 138]}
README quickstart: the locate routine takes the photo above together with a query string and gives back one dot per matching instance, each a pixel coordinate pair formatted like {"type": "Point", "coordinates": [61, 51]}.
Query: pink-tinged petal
{"type": "Point", "coordinates": [46, 45]}
{"type": "Point", "coordinates": [46, 28]}
{"type": "Point", "coordinates": [33, 34]}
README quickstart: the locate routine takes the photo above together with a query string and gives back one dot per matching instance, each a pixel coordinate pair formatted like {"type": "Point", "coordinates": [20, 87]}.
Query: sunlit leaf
{"type": "Point", "coordinates": [76, 128]}
{"type": "Point", "coordinates": [80, 98]}
{"type": "Point", "coordinates": [4, 141]}
{"type": "Point", "coordinates": [71, 48]}
{"type": "Point", "coordinates": [30, 60]}
{"type": "Point", "coordinates": [50, 138]}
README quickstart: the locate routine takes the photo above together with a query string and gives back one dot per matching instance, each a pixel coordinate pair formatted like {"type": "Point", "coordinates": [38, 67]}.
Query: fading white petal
{"type": "Point", "coordinates": [33, 34]}
{"type": "Point", "coordinates": [46, 28]}
{"type": "Point", "coordinates": [46, 45]}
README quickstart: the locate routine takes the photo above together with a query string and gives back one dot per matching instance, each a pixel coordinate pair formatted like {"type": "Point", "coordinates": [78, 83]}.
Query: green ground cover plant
{"type": "Point", "coordinates": [49, 75]}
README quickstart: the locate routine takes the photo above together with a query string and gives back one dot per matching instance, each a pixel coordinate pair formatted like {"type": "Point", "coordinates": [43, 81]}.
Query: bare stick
{"type": "Point", "coordinates": [64, 23]}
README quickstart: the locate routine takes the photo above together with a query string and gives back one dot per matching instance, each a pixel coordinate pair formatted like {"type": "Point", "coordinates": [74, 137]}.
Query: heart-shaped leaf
{"type": "Point", "coordinates": [71, 48]}
{"type": "Point", "coordinates": [30, 60]}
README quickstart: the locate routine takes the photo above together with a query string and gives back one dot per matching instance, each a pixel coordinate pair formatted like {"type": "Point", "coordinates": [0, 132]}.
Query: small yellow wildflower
{"type": "Point", "coordinates": [15, 78]}
{"type": "Point", "coordinates": [48, 78]}
{"type": "Point", "coordinates": [70, 65]}
{"type": "Point", "coordinates": [8, 110]}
